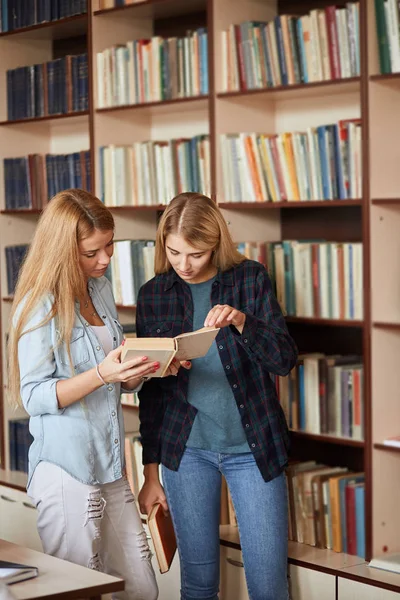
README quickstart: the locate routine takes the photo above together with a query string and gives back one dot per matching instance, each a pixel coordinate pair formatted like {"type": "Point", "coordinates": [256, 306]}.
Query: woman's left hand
{"type": "Point", "coordinates": [223, 315]}
{"type": "Point", "coordinates": [175, 365]}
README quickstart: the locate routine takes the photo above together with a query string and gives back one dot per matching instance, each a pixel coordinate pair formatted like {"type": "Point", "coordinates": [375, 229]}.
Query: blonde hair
{"type": "Point", "coordinates": [199, 221]}
{"type": "Point", "coordinates": [51, 267]}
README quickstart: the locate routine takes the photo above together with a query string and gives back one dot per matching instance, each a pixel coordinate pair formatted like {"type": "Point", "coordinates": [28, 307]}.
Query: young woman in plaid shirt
{"type": "Point", "coordinates": [222, 415]}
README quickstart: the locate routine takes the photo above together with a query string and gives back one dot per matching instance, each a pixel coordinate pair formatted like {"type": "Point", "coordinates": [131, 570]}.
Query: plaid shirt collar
{"type": "Point", "coordinates": [223, 277]}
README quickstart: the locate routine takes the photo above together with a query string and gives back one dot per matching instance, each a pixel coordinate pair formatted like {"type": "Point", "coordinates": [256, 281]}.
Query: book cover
{"type": "Point", "coordinates": [163, 536]}
{"type": "Point", "coordinates": [185, 346]}
{"type": "Point", "coordinates": [13, 572]}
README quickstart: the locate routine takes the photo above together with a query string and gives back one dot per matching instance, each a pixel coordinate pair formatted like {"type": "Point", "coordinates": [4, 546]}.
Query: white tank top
{"type": "Point", "coordinates": [104, 336]}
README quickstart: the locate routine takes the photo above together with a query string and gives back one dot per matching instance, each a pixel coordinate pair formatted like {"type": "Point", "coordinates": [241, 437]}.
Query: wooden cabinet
{"type": "Point", "coordinates": [305, 584]}
{"type": "Point", "coordinates": [232, 577]}
{"type": "Point", "coordinates": [354, 590]}
{"type": "Point", "coordinates": [18, 519]}
{"type": "Point", "coordinates": [308, 584]}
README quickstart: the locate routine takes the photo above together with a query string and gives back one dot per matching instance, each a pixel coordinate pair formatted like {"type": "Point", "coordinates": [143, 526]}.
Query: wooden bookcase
{"type": "Point", "coordinates": [374, 220]}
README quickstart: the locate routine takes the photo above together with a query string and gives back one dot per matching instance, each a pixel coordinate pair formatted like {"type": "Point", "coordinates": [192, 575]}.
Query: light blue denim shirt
{"type": "Point", "coordinates": [85, 439]}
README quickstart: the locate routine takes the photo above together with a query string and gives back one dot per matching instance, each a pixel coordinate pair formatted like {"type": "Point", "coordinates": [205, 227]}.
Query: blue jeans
{"type": "Point", "coordinates": [193, 493]}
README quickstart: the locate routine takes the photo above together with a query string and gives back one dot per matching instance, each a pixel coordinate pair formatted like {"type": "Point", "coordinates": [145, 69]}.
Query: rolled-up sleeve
{"type": "Point", "coordinates": [37, 366]}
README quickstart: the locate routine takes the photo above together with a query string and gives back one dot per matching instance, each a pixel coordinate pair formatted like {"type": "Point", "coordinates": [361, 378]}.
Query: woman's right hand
{"type": "Point", "coordinates": [113, 370]}
{"type": "Point", "coordinates": [152, 493]}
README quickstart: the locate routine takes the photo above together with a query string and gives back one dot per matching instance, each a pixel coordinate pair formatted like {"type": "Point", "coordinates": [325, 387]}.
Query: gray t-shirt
{"type": "Point", "coordinates": [217, 425]}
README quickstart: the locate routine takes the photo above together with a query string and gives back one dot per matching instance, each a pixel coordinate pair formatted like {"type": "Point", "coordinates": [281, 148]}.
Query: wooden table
{"type": "Point", "coordinates": [57, 578]}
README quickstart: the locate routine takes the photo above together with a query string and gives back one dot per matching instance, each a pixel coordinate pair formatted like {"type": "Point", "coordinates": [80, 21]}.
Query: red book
{"type": "Point", "coordinates": [163, 536]}
{"type": "Point", "coordinates": [351, 519]}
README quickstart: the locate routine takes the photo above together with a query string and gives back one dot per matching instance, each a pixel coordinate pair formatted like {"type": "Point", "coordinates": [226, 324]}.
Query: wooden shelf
{"type": "Point", "coordinates": [126, 307]}
{"type": "Point", "coordinates": [14, 479]}
{"type": "Point", "coordinates": [47, 118]}
{"type": "Point", "coordinates": [153, 8]}
{"type": "Point", "coordinates": [315, 88]}
{"type": "Point", "coordinates": [386, 201]}
{"type": "Point", "coordinates": [329, 322]}
{"type": "Point", "coordinates": [302, 555]}
{"type": "Point", "coordinates": [151, 208]}
{"type": "Point", "coordinates": [386, 77]}
{"type": "Point", "coordinates": [130, 407]}
{"type": "Point", "coordinates": [383, 325]}
{"type": "Point", "coordinates": [170, 106]}
{"type": "Point", "coordinates": [55, 30]}
{"type": "Point", "coordinates": [289, 205]}
{"type": "Point", "coordinates": [21, 211]}
{"type": "Point", "coordinates": [328, 439]}
{"type": "Point", "coordinates": [386, 448]}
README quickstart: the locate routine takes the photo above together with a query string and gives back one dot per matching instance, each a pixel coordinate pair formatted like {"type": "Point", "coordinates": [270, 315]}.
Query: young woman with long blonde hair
{"type": "Point", "coordinates": [221, 417]}
{"type": "Point", "coordinates": [64, 367]}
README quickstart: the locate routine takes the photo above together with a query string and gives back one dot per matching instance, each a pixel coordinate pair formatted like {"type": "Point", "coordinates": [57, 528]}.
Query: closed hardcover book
{"type": "Point", "coordinates": [163, 536]}
{"type": "Point", "coordinates": [13, 572]}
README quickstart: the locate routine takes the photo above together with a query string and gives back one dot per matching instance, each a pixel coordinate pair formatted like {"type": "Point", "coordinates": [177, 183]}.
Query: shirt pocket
{"type": "Point", "coordinates": [79, 349]}
{"type": "Point", "coordinates": [164, 328]}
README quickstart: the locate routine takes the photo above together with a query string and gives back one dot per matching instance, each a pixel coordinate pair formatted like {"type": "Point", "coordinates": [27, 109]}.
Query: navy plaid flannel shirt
{"type": "Point", "coordinates": [165, 309]}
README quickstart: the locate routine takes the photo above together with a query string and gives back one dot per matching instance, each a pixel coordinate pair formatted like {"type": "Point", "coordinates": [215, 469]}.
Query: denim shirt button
{"type": "Point", "coordinates": [253, 445]}
{"type": "Point", "coordinates": [227, 367]}
{"type": "Point", "coordinates": [110, 388]}
{"type": "Point", "coordinates": [86, 324]}
{"type": "Point", "coordinates": [241, 406]}
{"type": "Point", "coordinates": [245, 340]}
{"type": "Point", "coordinates": [113, 413]}
{"type": "Point", "coordinates": [115, 441]}
{"type": "Point", "coordinates": [234, 386]}
{"type": "Point", "coordinates": [247, 425]}
{"type": "Point", "coordinates": [221, 347]}
{"type": "Point", "coordinates": [98, 348]}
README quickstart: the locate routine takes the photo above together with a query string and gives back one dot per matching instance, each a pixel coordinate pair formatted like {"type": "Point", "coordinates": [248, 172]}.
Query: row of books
{"type": "Point", "coordinates": [132, 265]}
{"type": "Point", "coordinates": [15, 14]}
{"type": "Point", "coordinates": [320, 46]}
{"type": "Point", "coordinates": [131, 399]}
{"type": "Point", "coordinates": [20, 439]}
{"type": "Point", "coordinates": [14, 258]}
{"type": "Point", "coordinates": [152, 70]}
{"type": "Point", "coordinates": [326, 507]}
{"type": "Point", "coordinates": [388, 35]}
{"type": "Point", "coordinates": [323, 163]}
{"type": "Point", "coordinates": [324, 395]}
{"type": "Point", "coordinates": [313, 279]}
{"type": "Point", "coordinates": [151, 173]}
{"type": "Point", "coordinates": [30, 181]}
{"type": "Point", "coordinates": [58, 86]}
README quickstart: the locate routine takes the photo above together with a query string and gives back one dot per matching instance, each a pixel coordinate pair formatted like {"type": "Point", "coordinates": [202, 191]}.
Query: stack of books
{"type": "Point", "coordinates": [153, 70]}
{"type": "Point", "coordinates": [313, 279]}
{"type": "Point", "coordinates": [324, 395]}
{"type": "Point", "coordinates": [56, 87]}
{"type": "Point", "coordinates": [153, 172]}
{"type": "Point", "coordinates": [323, 163]}
{"type": "Point", "coordinates": [320, 46]}
{"type": "Point", "coordinates": [30, 181]}
{"type": "Point", "coordinates": [15, 14]}
{"type": "Point", "coordinates": [132, 265]}
{"type": "Point", "coordinates": [326, 507]}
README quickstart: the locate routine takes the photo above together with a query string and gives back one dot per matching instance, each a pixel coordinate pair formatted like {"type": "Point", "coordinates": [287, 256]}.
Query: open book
{"type": "Point", "coordinates": [14, 572]}
{"type": "Point", "coordinates": [163, 536]}
{"type": "Point", "coordinates": [185, 346]}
